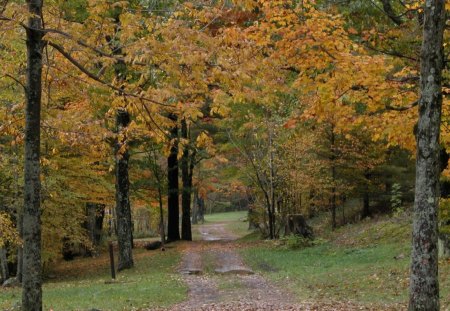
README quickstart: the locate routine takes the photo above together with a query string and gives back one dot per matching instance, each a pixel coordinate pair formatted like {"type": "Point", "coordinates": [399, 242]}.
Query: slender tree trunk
{"type": "Point", "coordinates": [4, 271]}
{"type": "Point", "coordinates": [424, 284]}
{"type": "Point", "coordinates": [156, 172]}
{"type": "Point", "coordinates": [32, 270]}
{"type": "Point", "coordinates": [123, 210]}
{"type": "Point", "coordinates": [95, 214]}
{"type": "Point", "coordinates": [173, 224]}
{"type": "Point", "coordinates": [201, 209]}
{"type": "Point", "coordinates": [333, 180]}
{"type": "Point", "coordinates": [162, 231]}
{"type": "Point", "coordinates": [186, 176]}
{"type": "Point", "coordinates": [19, 274]}
{"type": "Point", "coordinates": [366, 197]}
{"type": "Point", "coordinates": [195, 208]}
{"type": "Point", "coordinates": [272, 184]}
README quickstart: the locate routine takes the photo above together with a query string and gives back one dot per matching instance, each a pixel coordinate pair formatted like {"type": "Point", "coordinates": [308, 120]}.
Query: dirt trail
{"type": "Point", "coordinates": [218, 279]}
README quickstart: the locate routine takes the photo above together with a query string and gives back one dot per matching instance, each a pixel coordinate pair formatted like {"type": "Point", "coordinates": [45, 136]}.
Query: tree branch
{"type": "Point", "coordinates": [394, 108]}
{"type": "Point", "coordinates": [94, 77]}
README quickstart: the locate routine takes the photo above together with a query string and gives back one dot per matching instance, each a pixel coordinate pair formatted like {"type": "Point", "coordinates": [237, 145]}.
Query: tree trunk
{"type": "Point", "coordinates": [366, 204]}
{"type": "Point", "coordinates": [333, 180]}
{"type": "Point", "coordinates": [424, 284]}
{"type": "Point", "coordinates": [32, 270]}
{"type": "Point", "coordinates": [444, 245]}
{"type": "Point", "coordinates": [186, 176]}
{"type": "Point", "coordinates": [173, 223]}
{"type": "Point", "coordinates": [195, 208]}
{"type": "Point", "coordinates": [296, 224]}
{"type": "Point", "coordinates": [366, 198]}
{"type": "Point", "coordinates": [94, 223]}
{"type": "Point", "coordinates": [4, 271]}
{"type": "Point", "coordinates": [123, 210]}
{"type": "Point", "coordinates": [271, 202]}
{"type": "Point", "coordinates": [19, 274]}
{"type": "Point", "coordinates": [201, 209]}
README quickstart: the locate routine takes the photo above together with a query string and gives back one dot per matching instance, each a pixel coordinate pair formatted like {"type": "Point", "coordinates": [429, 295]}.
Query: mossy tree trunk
{"type": "Point", "coordinates": [424, 285]}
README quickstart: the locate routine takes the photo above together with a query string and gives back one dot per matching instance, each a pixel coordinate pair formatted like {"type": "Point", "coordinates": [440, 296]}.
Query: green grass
{"type": "Point", "coordinates": [226, 217]}
{"type": "Point", "coordinates": [152, 283]}
{"type": "Point", "coordinates": [358, 266]}
{"type": "Point", "coordinates": [235, 222]}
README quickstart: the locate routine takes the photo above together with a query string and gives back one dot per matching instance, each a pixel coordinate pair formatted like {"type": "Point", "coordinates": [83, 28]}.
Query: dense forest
{"type": "Point", "coordinates": [122, 120]}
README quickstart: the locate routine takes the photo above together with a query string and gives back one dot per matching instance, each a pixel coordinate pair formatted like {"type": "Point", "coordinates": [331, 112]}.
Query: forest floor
{"type": "Point", "coordinates": [363, 266]}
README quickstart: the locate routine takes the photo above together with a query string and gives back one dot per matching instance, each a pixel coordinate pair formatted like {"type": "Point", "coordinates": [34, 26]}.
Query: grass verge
{"type": "Point", "coordinates": [366, 263]}
{"type": "Point", "coordinates": [152, 283]}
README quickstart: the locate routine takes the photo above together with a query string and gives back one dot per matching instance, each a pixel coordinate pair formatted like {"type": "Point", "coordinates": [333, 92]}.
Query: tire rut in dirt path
{"type": "Point", "coordinates": [218, 279]}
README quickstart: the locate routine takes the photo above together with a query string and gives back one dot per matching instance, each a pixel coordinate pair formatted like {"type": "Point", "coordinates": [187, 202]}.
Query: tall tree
{"type": "Point", "coordinates": [424, 284]}
{"type": "Point", "coordinates": [32, 274]}
{"type": "Point", "coordinates": [188, 160]}
{"type": "Point", "coordinates": [173, 223]}
{"type": "Point", "coordinates": [123, 210]}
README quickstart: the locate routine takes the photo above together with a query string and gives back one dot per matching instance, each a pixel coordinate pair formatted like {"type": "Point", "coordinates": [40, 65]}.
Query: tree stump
{"type": "Point", "coordinates": [296, 224]}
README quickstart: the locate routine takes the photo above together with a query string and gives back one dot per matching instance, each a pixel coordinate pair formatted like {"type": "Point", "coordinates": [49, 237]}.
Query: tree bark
{"type": "Point", "coordinates": [32, 270]}
{"type": "Point", "coordinates": [123, 210]}
{"type": "Point", "coordinates": [272, 184]}
{"type": "Point", "coordinates": [366, 197]}
{"type": "Point", "coordinates": [195, 208]}
{"type": "Point", "coordinates": [94, 223]}
{"type": "Point", "coordinates": [424, 284]}
{"type": "Point", "coordinates": [187, 166]}
{"type": "Point", "coordinates": [389, 10]}
{"type": "Point", "coordinates": [4, 271]}
{"type": "Point", "coordinates": [173, 223]}
{"type": "Point", "coordinates": [333, 179]}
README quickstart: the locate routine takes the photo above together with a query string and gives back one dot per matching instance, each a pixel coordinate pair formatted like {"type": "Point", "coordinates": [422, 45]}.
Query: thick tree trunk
{"type": "Point", "coordinates": [173, 224]}
{"type": "Point", "coordinates": [186, 176]}
{"type": "Point", "coordinates": [123, 210]}
{"type": "Point", "coordinates": [32, 270]}
{"type": "Point", "coordinates": [424, 285]}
